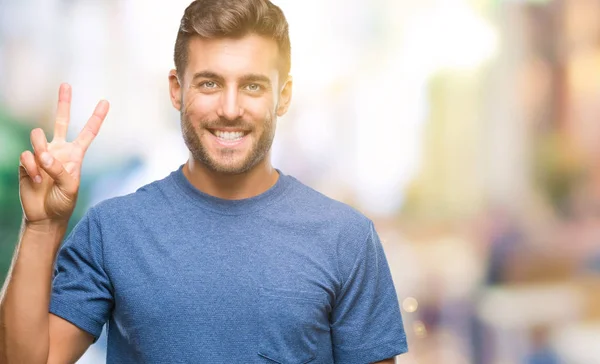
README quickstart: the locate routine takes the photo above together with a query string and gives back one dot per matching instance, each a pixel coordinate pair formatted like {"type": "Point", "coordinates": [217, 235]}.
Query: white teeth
{"type": "Point", "coordinates": [228, 135]}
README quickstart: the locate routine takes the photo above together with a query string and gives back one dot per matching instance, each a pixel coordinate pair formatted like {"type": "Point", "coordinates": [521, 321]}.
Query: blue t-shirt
{"type": "Point", "coordinates": [179, 276]}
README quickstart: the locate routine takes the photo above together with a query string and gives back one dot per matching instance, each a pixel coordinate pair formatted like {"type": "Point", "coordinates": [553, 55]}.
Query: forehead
{"type": "Point", "coordinates": [233, 56]}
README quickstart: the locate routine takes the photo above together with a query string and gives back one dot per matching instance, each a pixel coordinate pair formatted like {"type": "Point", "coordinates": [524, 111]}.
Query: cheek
{"type": "Point", "coordinates": [269, 115]}
{"type": "Point", "coordinates": [200, 106]}
{"type": "Point", "coordinates": [259, 110]}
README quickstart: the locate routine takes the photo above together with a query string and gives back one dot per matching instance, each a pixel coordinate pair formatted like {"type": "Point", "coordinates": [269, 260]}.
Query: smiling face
{"type": "Point", "coordinates": [230, 95]}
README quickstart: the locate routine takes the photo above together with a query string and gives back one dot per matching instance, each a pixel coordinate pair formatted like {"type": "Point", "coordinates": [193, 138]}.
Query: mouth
{"type": "Point", "coordinates": [229, 138]}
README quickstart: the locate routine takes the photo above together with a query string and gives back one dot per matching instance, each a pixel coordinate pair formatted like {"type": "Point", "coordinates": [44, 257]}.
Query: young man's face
{"type": "Point", "coordinates": [229, 96]}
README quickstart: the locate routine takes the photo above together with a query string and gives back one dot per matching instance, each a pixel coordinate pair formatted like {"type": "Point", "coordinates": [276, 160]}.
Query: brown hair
{"type": "Point", "coordinates": [233, 18]}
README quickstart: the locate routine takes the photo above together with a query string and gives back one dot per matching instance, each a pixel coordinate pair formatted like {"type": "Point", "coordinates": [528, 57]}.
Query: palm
{"type": "Point", "coordinates": [54, 198]}
{"type": "Point", "coordinates": [50, 201]}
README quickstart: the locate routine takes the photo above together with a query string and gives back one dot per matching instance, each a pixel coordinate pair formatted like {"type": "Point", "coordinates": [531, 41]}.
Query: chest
{"type": "Point", "coordinates": [235, 256]}
{"type": "Point", "coordinates": [258, 291]}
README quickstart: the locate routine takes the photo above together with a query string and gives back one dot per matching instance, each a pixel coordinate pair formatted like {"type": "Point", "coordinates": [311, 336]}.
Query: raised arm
{"type": "Point", "coordinates": [49, 179]}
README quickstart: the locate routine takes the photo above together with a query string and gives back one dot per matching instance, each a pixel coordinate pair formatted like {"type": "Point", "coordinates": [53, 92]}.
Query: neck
{"type": "Point", "coordinates": [231, 186]}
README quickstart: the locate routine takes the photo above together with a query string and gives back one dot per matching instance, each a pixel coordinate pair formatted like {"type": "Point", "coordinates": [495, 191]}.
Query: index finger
{"type": "Point", "coordinates": [63, 112]}
{"type": "Point", "coordinates": [91, 128]}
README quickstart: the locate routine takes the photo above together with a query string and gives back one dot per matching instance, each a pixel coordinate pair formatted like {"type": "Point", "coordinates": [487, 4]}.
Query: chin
{"type": "Point", "coordinates": [227, 169]}
{"type": "Point", "coordinates": [230, 167]}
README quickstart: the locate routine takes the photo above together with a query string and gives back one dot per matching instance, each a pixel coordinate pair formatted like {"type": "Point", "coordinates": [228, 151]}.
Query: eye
{"type": "Point", "coordinates": [209, 84]}
{"type": "Point", "coordinates": [253, 87]}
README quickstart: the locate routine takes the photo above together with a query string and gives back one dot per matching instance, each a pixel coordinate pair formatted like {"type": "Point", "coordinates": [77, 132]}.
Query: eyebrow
{"type": "Point", "coordinates": [208, 74]}
{"type": "Point", "coordinates": [252, 77]}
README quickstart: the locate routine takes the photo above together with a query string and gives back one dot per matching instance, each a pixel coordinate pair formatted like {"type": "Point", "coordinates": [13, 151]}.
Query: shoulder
{"type": "Point", "coordinates": [150, 197]}
{"type": "Point", "coordinates": [337, 228]}
{"type": "Point", "coordinates": [314, 205]}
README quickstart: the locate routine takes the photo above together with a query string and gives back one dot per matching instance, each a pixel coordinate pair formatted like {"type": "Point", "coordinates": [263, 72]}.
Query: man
{"type": "Point", "coordinates": [226, 260]}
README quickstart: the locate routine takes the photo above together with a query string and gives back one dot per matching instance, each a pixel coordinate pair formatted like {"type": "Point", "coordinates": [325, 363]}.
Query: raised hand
{"type": "Point", "coordinates": [49, 177]}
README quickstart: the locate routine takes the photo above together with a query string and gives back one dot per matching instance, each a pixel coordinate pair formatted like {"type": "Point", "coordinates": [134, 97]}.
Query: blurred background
{"type": "Point", "coordinates": [466, 129]}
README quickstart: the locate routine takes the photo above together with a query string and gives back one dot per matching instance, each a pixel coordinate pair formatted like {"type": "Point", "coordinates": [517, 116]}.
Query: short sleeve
{"type": "Point", "coordinates": [81, 289]}
{"type": "Point", "coordinates": [366, 323]}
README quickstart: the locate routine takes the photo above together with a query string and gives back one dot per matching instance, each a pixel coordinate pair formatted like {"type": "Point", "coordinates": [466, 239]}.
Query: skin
{"type": "Point", "coordinates": [227, 85]}
{"type": "Point", "coordinates": [49, 179]}
{"type": "Point", "coordinates": [233, 85]}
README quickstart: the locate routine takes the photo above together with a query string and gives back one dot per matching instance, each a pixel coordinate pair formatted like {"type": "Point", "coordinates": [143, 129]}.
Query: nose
{"type": "Point", "coordinates": [230, 107]}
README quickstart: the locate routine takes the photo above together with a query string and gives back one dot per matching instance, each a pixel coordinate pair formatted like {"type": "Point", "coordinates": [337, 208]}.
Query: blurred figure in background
{"type": "Point", "coordinates": [542, 351]}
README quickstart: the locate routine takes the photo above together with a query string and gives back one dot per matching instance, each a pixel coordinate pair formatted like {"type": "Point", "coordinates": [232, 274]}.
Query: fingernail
{"type": "Point", "coordinates": [37, 179]}
{"type": "Point", "coordinates": [46, 159]}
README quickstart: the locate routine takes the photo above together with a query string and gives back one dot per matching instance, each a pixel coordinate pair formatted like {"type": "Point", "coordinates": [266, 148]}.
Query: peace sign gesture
{"type": "Point", "coordinates": [49, 177]}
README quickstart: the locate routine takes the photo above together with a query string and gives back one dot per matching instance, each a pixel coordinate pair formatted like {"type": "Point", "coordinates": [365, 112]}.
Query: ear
{"type": "Point", "coordinates": [285, 97]}
{"type": "Point", "coordinates": [175, 89]}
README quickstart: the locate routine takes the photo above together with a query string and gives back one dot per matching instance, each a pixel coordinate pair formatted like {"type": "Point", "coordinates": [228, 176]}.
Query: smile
{"type": "Point", "coordinates": [228, 135]}
{"type": "Point", "coordinates": [229, 138]}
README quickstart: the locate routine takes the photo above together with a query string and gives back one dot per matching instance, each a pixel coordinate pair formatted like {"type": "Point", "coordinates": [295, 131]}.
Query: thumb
{"type": "Point", "coordinates": [56, 170]}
